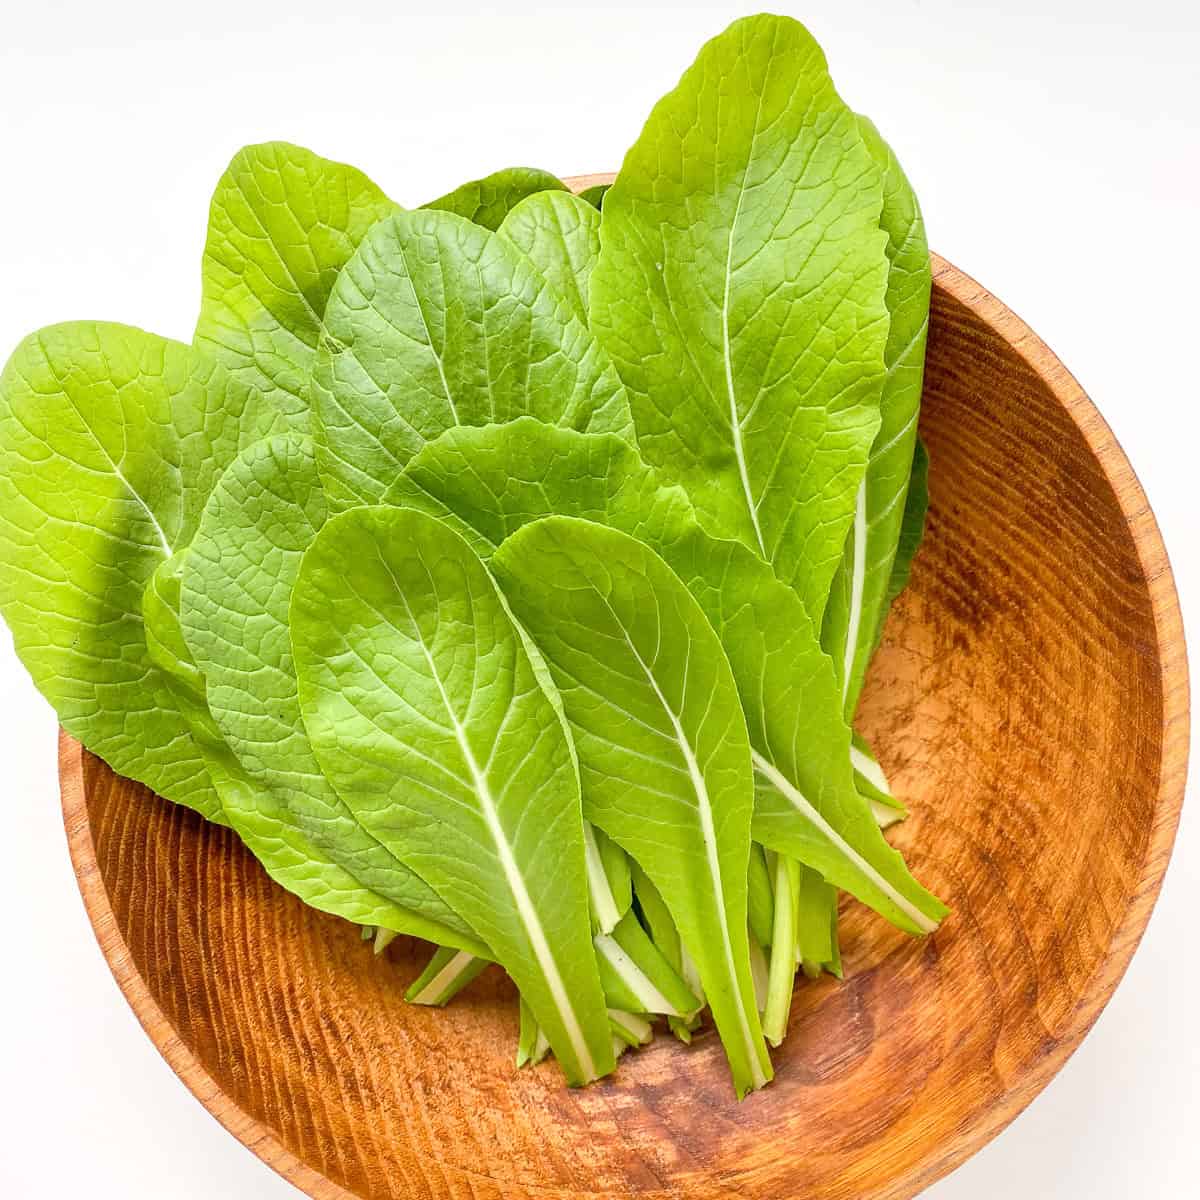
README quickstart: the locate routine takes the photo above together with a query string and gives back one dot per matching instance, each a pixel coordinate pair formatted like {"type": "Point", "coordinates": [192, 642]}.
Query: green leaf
{"type": "Point", "coordinates": [427, 717]}
{"type": "Point", "coordinates": [676, 998]}
{"type": "Point", "coordinates": [560, 234]}
{"type": "Point", "coordinates": [663, 753]}
{"type": "Point", "coordinates": [489, 200]}
{"type": "Point", "coordinates": [782, 968]}
{"type": "Point", "coordinates": [434, 323]}
{"type": "Point", "coordinates": [532, 1045]}
{"type": "Point", "coordinates": [166, 649]}
{"type": "Point", "coordinates": [912, 527]}
{"type": "Point", "coordinates": [488, 482]}
{"type": "Point", "coordinates": [109, 440]}
{"type": "Point", "coordinates": [760, 897]}
{"type": "Point", "coordinates": [740, 292]}
{"type": "Point", "coordinates": [656, 917]}
{"type": "Point", "coordinates": [594, 195]}
{"type": "Point", "coordinates": [816, 925]}
{"type": "Point", "coordinates": [631, 1028]}
{"type": "Point", "coordinates": [447, 973]}
{"type": "Point", "coordinates": [610, 886]}
{"type": "Point", "coordinates": [861, 589]}
{"type": "Point", "coordinates": [282, 224]}
{"type": "Point", "coordinates": [235, 590]}
{"type": "Point", "coordinates": [256, 813]}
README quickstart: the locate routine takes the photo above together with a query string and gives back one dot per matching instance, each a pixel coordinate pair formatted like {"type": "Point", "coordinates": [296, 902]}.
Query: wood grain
{"type": "Point", "coordinates": [1030, 703]}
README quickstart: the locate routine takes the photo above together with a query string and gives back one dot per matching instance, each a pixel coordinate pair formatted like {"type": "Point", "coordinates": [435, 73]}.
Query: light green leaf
{"type": "Point", "coordinates": [663, 752]}
{"type": "Point", "coordinates": [109, 441]}
{"type": "Point", "coordinates": [740, 292]}
{"type": "Point", "coordinates": [532, 1045]}
{"type": "Point", "coordinates": [489, 200]}
{"type": "Point", "coordinates": [257, 815]}
{"type": "Point", "coordinates": [760, 896]}
{"type": "Point", "coordinates": [489, 482]}
{"type": "Point", "coordinates": [446, 974]}
{"type": "Point", "coordinates": [427, 717]}
{"type": "Point", "coordinates": [560, 234]}
{"type": "Point", "coordinates": [912, 527]}
{"type": "Point", "coordinates": [594, 195]}
{"type": "Point", "coordinates": [436, 322]}
{"type": "Point", "coordinates": [631, 1028]}
{"type": "Point", "coordinates": [782, 968]}
{"type": "Point", "coordinates": [656, 917]}
{"type": "Point", "coordinates": [860, 593]}
{"type": "Point", "coordinates": [236, 587]}
{"type": "Point", "coordinates": [662, 990]}
{"type": "Point", "coordinates": [816, 926]}
{"type": "Point", "coordinates": [869, 778]}
{"type": "Point", "coordinates": [283, 222]}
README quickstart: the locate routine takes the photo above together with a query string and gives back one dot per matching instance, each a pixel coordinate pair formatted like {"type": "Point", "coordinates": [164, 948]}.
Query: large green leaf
{"type": "Point", "coordinates": [437, 322]}
{"type": "Point", "coordinates": [110, 439]}
{"type": "Point", "coordinates": [489, 200]}
{"type": "Point", "coordinates": [560, 234]}
{"type": "Point", "coordinates": [489, 482]}
{"type": "Point", "coordinates": [662, 745]}
{"type": "Point", "coordinates": [740, 291]}
{"type": "Point", "coordinates": [236, 586]}
{"type": "Point", "coordinates": [254, 811]}
{"type": "Point", "coordinates": [426, 715]}
{"type": "Point", "coordinates": [283, 222]}
{"type": "Point", "coordinates": [859, 595]}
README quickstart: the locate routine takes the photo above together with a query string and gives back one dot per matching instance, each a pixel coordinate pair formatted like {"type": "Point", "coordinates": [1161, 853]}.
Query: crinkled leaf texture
{"type": "Point", "coordinates": [437, 322]}
{"type": "Point", "coordinates": [234, 593]}
{"type": "Point", "coordinates": [740, 292]}
{"type": "Point", "coordinates": [860, 593]}
{"type": "Point", "coordinates": [282, 224]}
{"type": "Point", "coordinates": [489, 200]}
{"type": "Point", "coordinates": [252, 810]}
{"type": "Point", "coordinates": [110, 439]}
{"type": "Point", "coordinates": [663, 752]}
{"type": "Point", "coordinates": [489, 482]}
{"type": "Point", "coordinates": [426, 715]}
{"type": "Point", "coordinates": [560, 234]}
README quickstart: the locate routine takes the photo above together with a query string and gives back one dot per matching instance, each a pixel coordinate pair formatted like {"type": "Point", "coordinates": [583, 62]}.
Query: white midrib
{"type": "Point", "coordinates": [432, 991]}
{"type": "Point", "coordinates": [158, 529]}
{"type": "Point", "coordinates": [162, 537]}
{"type": "Point", "coordinates": [857, 583]}
{"type": "Point", "coordinates": [735, 422]}
{"type": "Point", "coordinates": [870, 770]}
{"type": "Point", "coordinates": [516, 885]}
{"type": "Point", "coordinates": [773, 775]}
{"type": "Point", "coordinates": [638, 982]}
{"type": "Point", "coordinates": [714, 864]}
{"type": "Point", "coordinates": [604, 903]}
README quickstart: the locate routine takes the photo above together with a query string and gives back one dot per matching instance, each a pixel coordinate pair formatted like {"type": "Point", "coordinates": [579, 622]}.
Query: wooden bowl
{"type": "Point", "coordinates": [1030, 704]}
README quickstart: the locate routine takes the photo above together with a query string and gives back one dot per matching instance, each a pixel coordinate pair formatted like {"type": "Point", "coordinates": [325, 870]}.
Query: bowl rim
{"type": "Point", "coordinates": [1168, 622]}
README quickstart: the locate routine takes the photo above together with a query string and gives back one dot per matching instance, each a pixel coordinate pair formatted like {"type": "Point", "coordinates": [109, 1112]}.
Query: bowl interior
{"type": "Point", "coordinates": [1028, 703]}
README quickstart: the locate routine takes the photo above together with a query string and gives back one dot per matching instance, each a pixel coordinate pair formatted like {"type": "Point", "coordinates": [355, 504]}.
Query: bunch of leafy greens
{"type": "Point", "coordinates": [505, 571]}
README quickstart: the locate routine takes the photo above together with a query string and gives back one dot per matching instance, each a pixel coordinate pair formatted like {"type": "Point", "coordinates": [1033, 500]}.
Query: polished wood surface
{"type": "Point", "coordinates": [1029, 703]}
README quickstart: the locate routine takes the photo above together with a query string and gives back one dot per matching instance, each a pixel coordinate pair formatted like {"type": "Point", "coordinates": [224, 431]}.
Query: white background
{"type": "Point", "coordinates": [1056, 150]}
